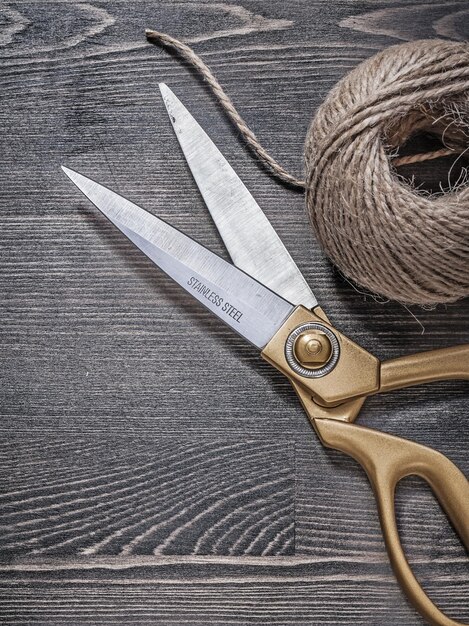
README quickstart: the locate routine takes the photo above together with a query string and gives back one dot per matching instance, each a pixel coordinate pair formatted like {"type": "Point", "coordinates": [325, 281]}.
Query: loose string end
{"type": "Point", "coordinates": [227, 105]}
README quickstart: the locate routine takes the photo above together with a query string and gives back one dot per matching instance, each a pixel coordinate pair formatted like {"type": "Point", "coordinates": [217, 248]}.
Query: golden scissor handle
{"type": "Point", "coordinates": [334, 400]}
{"type": "Point", "coordinates": [386, 460]}
{"type": "Point", "coordinates": [425, 367]}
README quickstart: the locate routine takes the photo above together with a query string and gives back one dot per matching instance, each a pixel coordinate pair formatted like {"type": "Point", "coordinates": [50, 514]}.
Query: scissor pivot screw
{"type": "Point", "coordinates": [312, 350]}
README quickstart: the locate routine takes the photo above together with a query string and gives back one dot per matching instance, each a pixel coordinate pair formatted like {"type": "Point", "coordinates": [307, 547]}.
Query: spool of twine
{"type": "Point", "coordinates": [379, 230]}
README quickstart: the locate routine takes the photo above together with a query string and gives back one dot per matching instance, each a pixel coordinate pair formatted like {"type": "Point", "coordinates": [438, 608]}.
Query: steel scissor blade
{"type": "Point", "coordinates": [249, 237]}
{"type": "Point", "coordinates": [252, 310]}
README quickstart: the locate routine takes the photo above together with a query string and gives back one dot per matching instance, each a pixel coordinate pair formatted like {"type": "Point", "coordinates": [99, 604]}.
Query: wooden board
{"type": "Point", "coordinates": [152, 469]}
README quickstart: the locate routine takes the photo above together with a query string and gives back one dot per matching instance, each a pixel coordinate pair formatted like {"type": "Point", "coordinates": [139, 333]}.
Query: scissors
{"type": "Point", "coordinates": [265, 299]}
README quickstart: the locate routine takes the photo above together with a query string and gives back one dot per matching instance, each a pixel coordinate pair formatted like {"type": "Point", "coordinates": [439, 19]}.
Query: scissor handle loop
{"type": "Point", "coordinates": [387, 459]}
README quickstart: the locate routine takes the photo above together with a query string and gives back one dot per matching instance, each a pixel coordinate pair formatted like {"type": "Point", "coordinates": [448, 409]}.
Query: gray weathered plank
{"type": "Point", "coordinates": [135, 495]}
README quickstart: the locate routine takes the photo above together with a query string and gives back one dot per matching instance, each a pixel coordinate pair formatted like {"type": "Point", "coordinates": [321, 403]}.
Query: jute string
{"type": "Point", "coordinates": [379, 230]}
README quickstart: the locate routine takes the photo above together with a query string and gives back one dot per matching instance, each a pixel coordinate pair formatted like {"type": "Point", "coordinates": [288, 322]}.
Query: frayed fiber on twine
{"type": "Point", "coordinates": [379, 230]}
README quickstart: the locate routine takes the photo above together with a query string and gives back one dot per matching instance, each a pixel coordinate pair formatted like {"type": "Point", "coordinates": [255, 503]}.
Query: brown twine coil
{"type": "Point", "coordinates": [379, 230]}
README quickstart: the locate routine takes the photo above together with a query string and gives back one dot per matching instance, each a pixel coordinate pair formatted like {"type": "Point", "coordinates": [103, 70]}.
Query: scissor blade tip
{"type": "Point", "coordinates": [78, 179]}
{"type": "Point", "coordinates": [70, 173]}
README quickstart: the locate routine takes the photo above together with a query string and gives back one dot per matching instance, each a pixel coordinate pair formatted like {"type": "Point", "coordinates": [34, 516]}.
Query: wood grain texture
{"type": "Point", "coordinates": [142, 483]}
{"type": "Point", "coordinates": [115, 496]}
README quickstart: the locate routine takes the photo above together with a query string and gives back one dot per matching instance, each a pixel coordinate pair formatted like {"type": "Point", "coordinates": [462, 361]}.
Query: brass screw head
{"type": "Point", "coordinates": [312, 349]}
